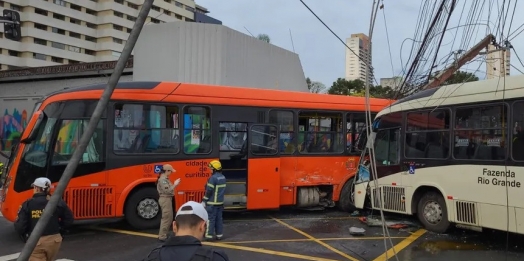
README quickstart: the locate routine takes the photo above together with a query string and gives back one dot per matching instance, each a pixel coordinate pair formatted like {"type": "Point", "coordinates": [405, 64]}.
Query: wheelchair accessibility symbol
{"type": "Point", "coordinates": [157, 169]}
{"type": "Point", "coordinates": [411, 168]}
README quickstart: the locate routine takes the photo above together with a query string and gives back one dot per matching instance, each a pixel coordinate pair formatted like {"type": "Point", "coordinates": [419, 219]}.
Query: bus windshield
{"type": "Point", "coordinates": [35, 153]}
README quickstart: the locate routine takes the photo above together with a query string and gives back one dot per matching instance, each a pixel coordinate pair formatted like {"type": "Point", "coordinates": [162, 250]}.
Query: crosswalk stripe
{"type": "Point", "coordinates": [14, 256]}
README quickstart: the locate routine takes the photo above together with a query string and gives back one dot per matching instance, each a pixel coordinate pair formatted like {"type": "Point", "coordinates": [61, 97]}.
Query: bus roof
{"type": "Point", "coordinates": [212, 94]}
{"type": "Point", "coordinates": [462, 93]}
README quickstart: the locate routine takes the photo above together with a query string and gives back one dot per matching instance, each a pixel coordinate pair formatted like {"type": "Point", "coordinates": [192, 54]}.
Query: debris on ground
{"type": "Point", "coordinates": [376, 222]}
{"type": "Point", "coordinates": [356, 231]}
{"type": "Point", "coordinates": [355, 213]}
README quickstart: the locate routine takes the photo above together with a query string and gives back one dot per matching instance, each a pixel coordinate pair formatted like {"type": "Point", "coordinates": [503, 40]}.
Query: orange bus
{"type": "Point", "coordinates": [277, 148]}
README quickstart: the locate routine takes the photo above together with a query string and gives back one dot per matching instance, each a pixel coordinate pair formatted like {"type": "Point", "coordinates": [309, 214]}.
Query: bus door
{"type": "Point", "coordinates": [263, 179]}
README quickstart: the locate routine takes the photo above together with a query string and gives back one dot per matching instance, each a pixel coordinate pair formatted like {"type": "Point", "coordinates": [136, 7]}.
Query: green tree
{"type": "Point", "coordinates": [315, 87]}
{"type": "Point", "coordinates": [264, 37]}
{"type": "Point", "coordinates": [344, 87]}
{"type": "Point", "coordinates": [459, 77]}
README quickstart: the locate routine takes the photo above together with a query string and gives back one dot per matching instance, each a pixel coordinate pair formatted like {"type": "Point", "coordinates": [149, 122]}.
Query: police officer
{"type": "Point", "coordinates": [166, 192]}
{"type": "Point", "coordinates": [189, 227]}
{"type": "Point", "coordinates": [29, 214]}
{"type": "Point", "coordinates": [214, 200]}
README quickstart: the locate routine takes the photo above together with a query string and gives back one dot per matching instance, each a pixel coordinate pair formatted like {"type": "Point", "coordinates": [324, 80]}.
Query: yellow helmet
{"type": "Point", "coordinates": [215, 165]}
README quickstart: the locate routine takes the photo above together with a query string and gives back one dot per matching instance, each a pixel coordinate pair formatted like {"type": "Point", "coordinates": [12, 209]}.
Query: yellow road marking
{"type": "Point", "coordinates": [315, 239]}
{"type": "Point", "coordinates": [307, 239]}
{"type": "Point", "coordinates": [223, 245]}
{"type": "Point", "coordinates": [403, 244]}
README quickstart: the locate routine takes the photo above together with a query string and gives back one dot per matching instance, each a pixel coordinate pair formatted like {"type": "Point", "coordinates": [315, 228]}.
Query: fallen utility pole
{"type": "Point", "coordinates": [93, 122]}
{"type": "Point", "coordinates": [450, 70]}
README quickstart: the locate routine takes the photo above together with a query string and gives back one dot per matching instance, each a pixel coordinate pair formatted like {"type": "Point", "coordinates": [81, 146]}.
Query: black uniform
{"type": "Point", "coordinates": [185, 248]}
{"type": "Point", "coordinates": [31, 211]}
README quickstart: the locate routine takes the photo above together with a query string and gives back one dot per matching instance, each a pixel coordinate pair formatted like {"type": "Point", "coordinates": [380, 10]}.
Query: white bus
{"type": "Point", "coordinates": [452, 155]}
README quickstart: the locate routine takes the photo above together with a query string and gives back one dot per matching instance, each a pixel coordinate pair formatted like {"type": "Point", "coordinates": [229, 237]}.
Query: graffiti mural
{"type": "Point", "coordinates": [11, 127]}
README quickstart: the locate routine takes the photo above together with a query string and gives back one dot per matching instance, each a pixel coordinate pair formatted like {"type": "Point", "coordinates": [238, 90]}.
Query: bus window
{"type": "Point", "coordinates": [320, 132]}
{"type": "Point", "coordinates": [232, 136]}
{"type": "Point", "coordinates": [197, 130]}
{"type": "Point", "coordinates": [284, 121]}
{"type": "Point", "coordinates": [263, 140]}
{"type": "Point", "coordinates": [480, 133]}
{"type": "Point", "coordinates": [387, 147]}
{"type": "Point", "coordinates": [517, 143]}
{"type": "Point", "coordinates": [145, 128]}
{"type": "Point", "coordinates": [427, 134]}
{"type": "Point", "coordinates": [355, 124]}
{"type": "Point", "coordinates": [68, 138]}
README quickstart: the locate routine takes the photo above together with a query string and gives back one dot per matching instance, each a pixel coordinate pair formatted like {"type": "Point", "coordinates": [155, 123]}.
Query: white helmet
{"type": "Point", "coordinates": [42, 183]}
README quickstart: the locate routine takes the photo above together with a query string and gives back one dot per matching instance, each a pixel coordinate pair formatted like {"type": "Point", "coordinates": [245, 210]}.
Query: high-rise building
{"type": "Point", "coordinates": [355, 67]}
{"type": "Point", "coordinates": [56, 32]}
{"type": "Point", "coordinates": [393, 82]}
{"type": "Point", "coordinates": [497, 62]}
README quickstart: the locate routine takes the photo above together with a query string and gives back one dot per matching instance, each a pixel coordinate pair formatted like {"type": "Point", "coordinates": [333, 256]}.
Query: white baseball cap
{"type": "Point", "coordinates": [42, 183]}
{"type": "Point", "coordinates": [196, 209]}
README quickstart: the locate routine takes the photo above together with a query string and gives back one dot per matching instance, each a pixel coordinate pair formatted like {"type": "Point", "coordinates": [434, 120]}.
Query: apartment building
{"type": "Point", "coordinates": [497, 62]}
{"type": "Point", "coordinates": [355, 67]}
{"type": "Point", "coordinates": [56, 32]}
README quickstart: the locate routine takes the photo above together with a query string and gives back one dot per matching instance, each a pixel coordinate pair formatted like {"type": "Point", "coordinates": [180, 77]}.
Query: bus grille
{"type": "Point", "coordinates": [185, 196]}
{"type": "Point", "coordinates": [466, 212]}
{"type": "Point", "coordinates": [90, 202]}
{"type": "Point", "coordinates": [394, 198]}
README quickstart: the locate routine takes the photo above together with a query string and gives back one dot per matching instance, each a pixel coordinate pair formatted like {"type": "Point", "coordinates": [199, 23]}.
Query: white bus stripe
{"type": "Point", "coordinates": [9, 257]}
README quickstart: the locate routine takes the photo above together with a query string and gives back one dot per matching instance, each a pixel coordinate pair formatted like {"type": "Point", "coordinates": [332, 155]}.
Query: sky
{"type": "Point", "coordinates": [323, 56]}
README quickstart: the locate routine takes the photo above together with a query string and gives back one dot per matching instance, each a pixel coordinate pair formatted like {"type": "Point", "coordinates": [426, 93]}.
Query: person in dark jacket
{"type": "Point", "coordinates": [29, 214]}
{"type": "Point", "coordinates": [213, 201]}
{"type": "Point", "coordinates": [189, 227]}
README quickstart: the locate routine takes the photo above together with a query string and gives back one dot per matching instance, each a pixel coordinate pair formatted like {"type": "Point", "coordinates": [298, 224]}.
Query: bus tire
{"type": "Point", "coordinates": [152, 215]}
{"type": "Point", "coordinates": [344, 202]}
{"type": "Point", "coordinates": [433, 213]}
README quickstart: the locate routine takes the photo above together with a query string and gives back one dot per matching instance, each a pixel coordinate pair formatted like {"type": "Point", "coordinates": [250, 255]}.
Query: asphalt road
{"type": "Point", "coordinates": [285, 235]}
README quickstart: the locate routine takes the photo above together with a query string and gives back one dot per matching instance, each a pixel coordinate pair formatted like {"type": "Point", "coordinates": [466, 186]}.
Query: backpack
{"type": "Point", "coordinates": [201, 254]}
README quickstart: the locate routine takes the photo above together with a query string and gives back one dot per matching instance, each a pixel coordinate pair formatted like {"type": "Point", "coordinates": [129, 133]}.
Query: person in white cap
{"type": "Point", "coordinates": [166, 192]}
{"type": "Point", "coordinates": [189, 227]}
{"type": "Point", "coordinates": [29, 214]}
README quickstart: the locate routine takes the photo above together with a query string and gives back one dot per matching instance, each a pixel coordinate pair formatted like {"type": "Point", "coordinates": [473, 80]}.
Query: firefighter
{"type": "Point", "coordinates": [29, 214]}
{"type": "Point", "coordinates": [213, 200]}
{"type": "Point", "coordinates": [166, 192]}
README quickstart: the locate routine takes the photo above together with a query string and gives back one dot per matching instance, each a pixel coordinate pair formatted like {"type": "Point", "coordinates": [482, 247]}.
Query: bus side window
{"type": "Point", "coordinates": [356, 123]}
{"type": "Point", "coordinates": [284, 121]}
{"type": "Point", "coordinates": [197, 130]}
{"type": "Point", "coordinates": [69, 134]}
{"type": "Point", "coordinates": [517, 144]}
{"type": "Point", "coordinates": [321, 132]}
{"type": "Point", "coordinates": [387, 147]}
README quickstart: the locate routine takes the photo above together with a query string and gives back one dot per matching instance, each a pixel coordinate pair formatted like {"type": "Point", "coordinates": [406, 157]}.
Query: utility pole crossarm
{"type": "Point", "coordinates": [450, 70]}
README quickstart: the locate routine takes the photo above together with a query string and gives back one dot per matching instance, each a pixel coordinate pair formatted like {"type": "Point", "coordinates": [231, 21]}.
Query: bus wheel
{"type": "Point", "coordinates": [142, 209]}
{"type": "Point", "coordinates": [345, 202]}
{"type": "Point", "coordinates": [432, 212]}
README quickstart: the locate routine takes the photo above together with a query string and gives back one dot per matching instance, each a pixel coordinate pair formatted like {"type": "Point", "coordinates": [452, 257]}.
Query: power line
{"type": "Point", "coordinates": [342, 41]}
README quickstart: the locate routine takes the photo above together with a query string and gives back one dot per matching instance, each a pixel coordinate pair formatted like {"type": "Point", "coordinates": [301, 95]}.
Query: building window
{"type": "Point", "coordinates": [58, 16]}
{"type": "Point", "coordinates": [156, 8]}
{"type": "Point", "coordinates": [128, 30]}
{"type": "Point", "coordinates": [73, 62]}
{"type": "Point", "coordinates": [73, 49]}
{"type": "Point", "coordinates": [40, 12]}
{"type": "Point", "coordinates": [118, 14]}
{"type": "Point", "coordinates": [74, 21]}
{"type": "Point", "coordinates": [39, 41]}
{"type": "Point", "coordinates": [167, 12]}
{"type": "Point", "coordinates": [75, 35]}
{"type": "Point", "coordinates": [58, 45]}
{"type": "Point", "coordinates": [90, 11]}
{"type": "Point", "coordinates": [167, 1]}
{"type": "Point", "coordinates": [132, 5]}
{"type": "Point", "coordinates": [1, 3]}
{"type": "Point", "coordinates": [58, 31]}
{"type": "Point", "coordinates": [179, 17]}
{"type": "Point", "coordinates": [131, 18]}
{"type": "Point", "coordinates": [39, 56]}
{"type": "Point", "coordinates": [1, 36]}
{"type": "Point", "coordinates": [16, 7]}
{"type": "Point", "coordinates": [89, 52]}
{"type": "Point", "coordinates": [91, 39]}
{"type": "Point", "coordinates": [189, 8]}
{"type": "Point", "coordinates": [60, 2]}
{"type": "Point", "coordinates": [75, 7]}
{"type": "Point", "coordinates": [57, 59]}
{"type": "Point", "coordinates": [90, 25]}
{"type": "Point", "coordinates": [156, 21]}
{"type": "Point", "coordinates": [119, 2]}
{"type": "Point", "coordinates": [41, 26]}
{"type": "Point", "coordinates": [116, 54]}
{"type": "Point", "coordinates": [116, 40]}
{"type": "Point", "coordinates": [118, 27]}
{"type": "Point", "coordinates": [13, 53]}
{"type": "Point", "coordinates": [179, 4]}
